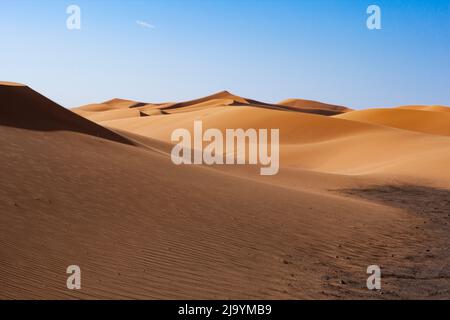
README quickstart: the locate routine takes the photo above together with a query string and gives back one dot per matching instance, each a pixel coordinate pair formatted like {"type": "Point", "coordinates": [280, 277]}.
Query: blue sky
{"type": "Point", "coordinates": [263, 49]}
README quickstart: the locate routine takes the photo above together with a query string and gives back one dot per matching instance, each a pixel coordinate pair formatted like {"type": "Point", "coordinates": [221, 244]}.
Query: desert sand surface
{"type": "Point", "coordinates": [96, 188]}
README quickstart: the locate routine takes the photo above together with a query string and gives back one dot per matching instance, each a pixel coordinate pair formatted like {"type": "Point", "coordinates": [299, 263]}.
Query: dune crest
{"type": "Point", "coordinates": [222, 95]}
{"type": "Point", "coordinates": [11, 84]}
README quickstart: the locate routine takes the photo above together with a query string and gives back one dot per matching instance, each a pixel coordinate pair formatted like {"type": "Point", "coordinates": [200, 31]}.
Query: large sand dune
{"type": "Point", "coordinates": [140, 227]}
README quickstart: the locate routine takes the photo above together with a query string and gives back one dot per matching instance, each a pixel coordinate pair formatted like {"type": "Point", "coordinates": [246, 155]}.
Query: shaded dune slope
{"type": "Point", "coordinates": [23, 107]}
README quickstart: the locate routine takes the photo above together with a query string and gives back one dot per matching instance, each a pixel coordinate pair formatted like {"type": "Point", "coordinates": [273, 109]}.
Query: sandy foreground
{"type": "Point", "coordinates": [96, 187]}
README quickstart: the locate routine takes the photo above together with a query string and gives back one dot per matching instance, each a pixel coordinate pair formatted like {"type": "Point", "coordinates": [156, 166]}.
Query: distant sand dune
{"type": "Point", "coordinates": [220, 99]}
{"type": "Point", "coordinates": [110, 105]}
{"type": "Point", "coordinates": [427, 108]}
{"type": "Point", "coordinates": [223, 95]}
{"type": "Point", "coordinates": [389, 142]}
{"type": "Point", "coordinates": [413, 120]}
{"type": "Point", "coordinates": [316, 142]}
{"type": "Point", "coordinates": [318, 107]}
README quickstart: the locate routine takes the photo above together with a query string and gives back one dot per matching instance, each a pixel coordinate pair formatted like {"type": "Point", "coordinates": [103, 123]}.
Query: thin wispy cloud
{"type": "Point", "coordinates": [145, 24]}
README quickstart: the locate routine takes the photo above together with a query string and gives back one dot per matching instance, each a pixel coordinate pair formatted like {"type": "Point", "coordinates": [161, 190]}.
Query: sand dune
{"type": "Point", "coordinates": [113, 104]}
{"type": "Point", "coordinates": [389, 142]}
{"type": "Point", "coordinates": [223, 95]}
{"type": "Point", "coordinates": [113, 114]}
{"type": "Point", "coordinates": [141, 227]}
{"type": "Point", "coordinates": [314, 106]}
{"type": "Point", "coordinates": [414, 120]}
{"type": "Point", "coordinates": [317, 142]}
{"type": "Point", "coordinates": [427, 108]}
{"type": "Point", "coordinates": [220, 99]}
{"type": "Point", "coordinates": [24, 108]}
{"type": "Point", "coordinates": [296, 126]}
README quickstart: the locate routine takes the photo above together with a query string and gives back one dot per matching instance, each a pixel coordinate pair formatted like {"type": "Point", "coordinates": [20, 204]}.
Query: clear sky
{"type": "Point", "coordinates": [263, 49]}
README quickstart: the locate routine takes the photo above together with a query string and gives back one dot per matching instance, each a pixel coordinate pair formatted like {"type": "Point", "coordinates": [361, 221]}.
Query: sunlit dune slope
{"type": "Point", "coordinates": [415, 120]}
{"type": "Point", "coordinates": [375, 141]}
{"type": "Point", "coordinates": [25, 108]}
{"type": "Point", "coordinates": [317, 142]}
{"type": "Point", "coordinates": [141, 227]}
{"type": "Point", "coordinates": [294, 127]}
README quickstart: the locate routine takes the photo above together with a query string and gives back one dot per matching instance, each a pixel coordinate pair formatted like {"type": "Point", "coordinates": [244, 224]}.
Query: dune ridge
{"type": "Point", "coordinates": [220, 99]}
